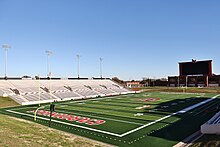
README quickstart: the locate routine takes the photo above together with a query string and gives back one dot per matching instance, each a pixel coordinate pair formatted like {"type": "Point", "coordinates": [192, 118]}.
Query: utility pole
{"type": "Point", "coordinates": [101, 59]}
{"type": "Point", "coordinates": [78, 63]}
{"type": "Point", "coordinates": [6, 47]}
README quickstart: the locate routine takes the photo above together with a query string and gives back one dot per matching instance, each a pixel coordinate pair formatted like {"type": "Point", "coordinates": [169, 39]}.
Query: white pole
{"type": "Point", "coordinates": [50, 89]}
{"type": "Point", "coordinates": [39, 88]}
{"type": "Point", "coordinates": [49, 73]}
{"type": "Point", "coordinates": [101, 59]}
{"type": "Point", "coordinates": [48, 64]}
{"type": "Point", "coordinates": [6, 47]}
{"type": "Point", "coordinates": [78, 58]}
{"type": "Point", "coordinates": [6, 61]}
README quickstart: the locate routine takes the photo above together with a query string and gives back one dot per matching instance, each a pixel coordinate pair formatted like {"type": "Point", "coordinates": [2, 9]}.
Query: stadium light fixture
{"type": "Point", "coordinates": [100, 59]}
{"type": "Point", "coordinates": [6, 47]}
{"type": "Point", "coordinates": [78, 62]}
{"type": "Point", "coordinates": [48, 65]}
{"type": "Point", "coordinates": [49, 72]}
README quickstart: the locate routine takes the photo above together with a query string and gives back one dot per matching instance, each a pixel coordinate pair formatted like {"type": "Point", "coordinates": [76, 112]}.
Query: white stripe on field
{"type": "Point", "coordinates": [129, 132]}
{"type": "Point", "coordinates": [65, 123]}
{"type": "Point", "coordinates": [181, 111]}
{"type": "Point", "coordinates": [118, 120]}
{"type": "Point", "coordinates": [124, 121]}
{"type": "Point", "coordinates": [199, 104]}
{"type": "Point", "coordinates": [151, 123]}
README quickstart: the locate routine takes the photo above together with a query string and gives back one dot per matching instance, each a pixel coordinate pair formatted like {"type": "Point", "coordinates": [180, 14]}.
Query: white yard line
{"type": "Point", "coordinates": [124, 121]}
{"type": "Point", "coordinates": [205, 108]}
{"type": "Point", "coordinates": [181, 111]}
{"type": "Point", "coordinates": [199, 104]}
{"type": "Point", "coordinates": [151, 123]}
{"type": "Point", "coordinates": [88, 100]}
{"type": "Point", "coordinates": [131, 131]}
{"type": "Point", "coordinates": [65, 123]}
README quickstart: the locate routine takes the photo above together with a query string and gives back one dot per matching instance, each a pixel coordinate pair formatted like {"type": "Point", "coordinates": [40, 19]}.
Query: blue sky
{"type": "Point", "coordinates": [136, 38]}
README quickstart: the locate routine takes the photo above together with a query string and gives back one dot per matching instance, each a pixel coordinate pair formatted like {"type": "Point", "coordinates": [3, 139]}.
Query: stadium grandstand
{"type": "Point", "coordinates": [34, 91]}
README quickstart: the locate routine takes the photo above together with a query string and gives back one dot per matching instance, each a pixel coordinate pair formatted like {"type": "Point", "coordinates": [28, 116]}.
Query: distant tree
{"type": "Point", "coordinates": [26, 76]}
{"type": "Point", "coordinates": [116, 79]}
{"type": "Point", "coordinates": [145, 81]}
{"type": "Point", "coordinates": [164, 79]}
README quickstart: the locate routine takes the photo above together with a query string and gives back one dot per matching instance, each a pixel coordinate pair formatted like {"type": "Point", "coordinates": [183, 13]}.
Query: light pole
{"type": "Point", "coordinates": [100, 59]}
{"type": "Point", "coordinates": [6, 47]}
{"type": "Point", "coordinates": [48, 65]}
{"type": "Point", "coordinates": [78, 59]}
{"type": "Point", "coordinates": [49, 73]}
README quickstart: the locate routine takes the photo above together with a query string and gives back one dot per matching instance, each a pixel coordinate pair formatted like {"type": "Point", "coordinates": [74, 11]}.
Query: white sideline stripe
{"type": "Point", "coordinates": [129, 132]}
{"type": "Point", "coordinates": [130, 122]}
{"type": "Point", "coordinates": [151, 123]}
{"type": "Point", "coordinates": [105, 132]}
{"type": "Point", "coordinates": [199, 104]}
{"type": "Point", "coordinates": [87, 100]}
{"type": "Point", "coordinates": [181, 111]}
{"type": "Point", "coordinates": [97, 99]}
{"type": "Point", "coordinates": [124, 121]}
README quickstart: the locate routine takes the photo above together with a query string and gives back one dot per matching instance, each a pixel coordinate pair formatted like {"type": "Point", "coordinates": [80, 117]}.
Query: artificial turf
{"type": "Point", "coordinates": [120, 116]}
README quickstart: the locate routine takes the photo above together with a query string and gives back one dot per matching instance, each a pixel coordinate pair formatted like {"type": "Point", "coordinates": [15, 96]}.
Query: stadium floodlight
{"type": "Point", "coordinates": [6, 47]}
{"type": "Point", "coordinates": [100, 59]}
{"type": "Point", "coordinates": [48, 65]}
{"type": "Point", "coordinates": [78, 62]}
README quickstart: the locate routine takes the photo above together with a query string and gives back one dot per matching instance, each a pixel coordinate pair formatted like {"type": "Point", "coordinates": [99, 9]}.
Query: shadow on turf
{"type": "Point", "coordinates": [178, 104]}
{"type": "Point", "coordinates": [188, 124]}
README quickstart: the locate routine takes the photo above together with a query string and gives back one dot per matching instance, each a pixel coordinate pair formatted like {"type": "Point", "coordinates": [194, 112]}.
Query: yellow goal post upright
{"type": "Point", "coordinates": [39, 89]}
{"type": "Point", "coordinates": [52, 106]}
{"type": "Point", "coordinates": [50, 74]}
{"type": "Point", "coordinates": [35, 113]}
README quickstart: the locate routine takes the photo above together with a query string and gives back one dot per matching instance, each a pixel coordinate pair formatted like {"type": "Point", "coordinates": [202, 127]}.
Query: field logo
{"type": "Point", "coordinates": [79, 119]}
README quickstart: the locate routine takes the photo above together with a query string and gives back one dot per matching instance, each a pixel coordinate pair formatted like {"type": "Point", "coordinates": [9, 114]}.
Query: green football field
{"type": "Point", "coordinates": [144, 119]}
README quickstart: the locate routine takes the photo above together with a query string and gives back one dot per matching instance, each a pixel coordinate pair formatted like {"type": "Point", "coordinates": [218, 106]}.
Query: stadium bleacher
{"type": "Point", "coordinates": [212, 126]}
{"type": "Point", "coordinates": [27, 92]}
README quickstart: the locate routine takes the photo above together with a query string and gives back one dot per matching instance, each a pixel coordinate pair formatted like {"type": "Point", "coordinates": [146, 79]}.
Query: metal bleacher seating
{"type": "Point", "coordinates": [30, 91]}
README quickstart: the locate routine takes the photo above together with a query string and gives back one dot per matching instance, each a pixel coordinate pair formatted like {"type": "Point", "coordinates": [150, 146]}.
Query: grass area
{"type": "Point", "coordinates": [183, 89]}
{"type": "Point", "coordinates": [20, 133]}
{"type": "Point", "coordinates": [207, 141]}
{"type": "Point", "coordinates": [26, 133]}
{"type": "Point", "coordinates": [122, 126]}
{"type": "Point", "coordinates": [7, 102]}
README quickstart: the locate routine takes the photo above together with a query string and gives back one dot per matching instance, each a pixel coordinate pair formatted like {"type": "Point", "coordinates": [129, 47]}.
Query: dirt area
{"type": "Point", "coordinates": [6, 102]}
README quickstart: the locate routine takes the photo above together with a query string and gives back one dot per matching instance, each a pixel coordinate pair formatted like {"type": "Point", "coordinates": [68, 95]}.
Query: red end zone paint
{"type": "Point", "coordinates": [79, 119]}
{"type": "Point", "coordinates": [135, 89]}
